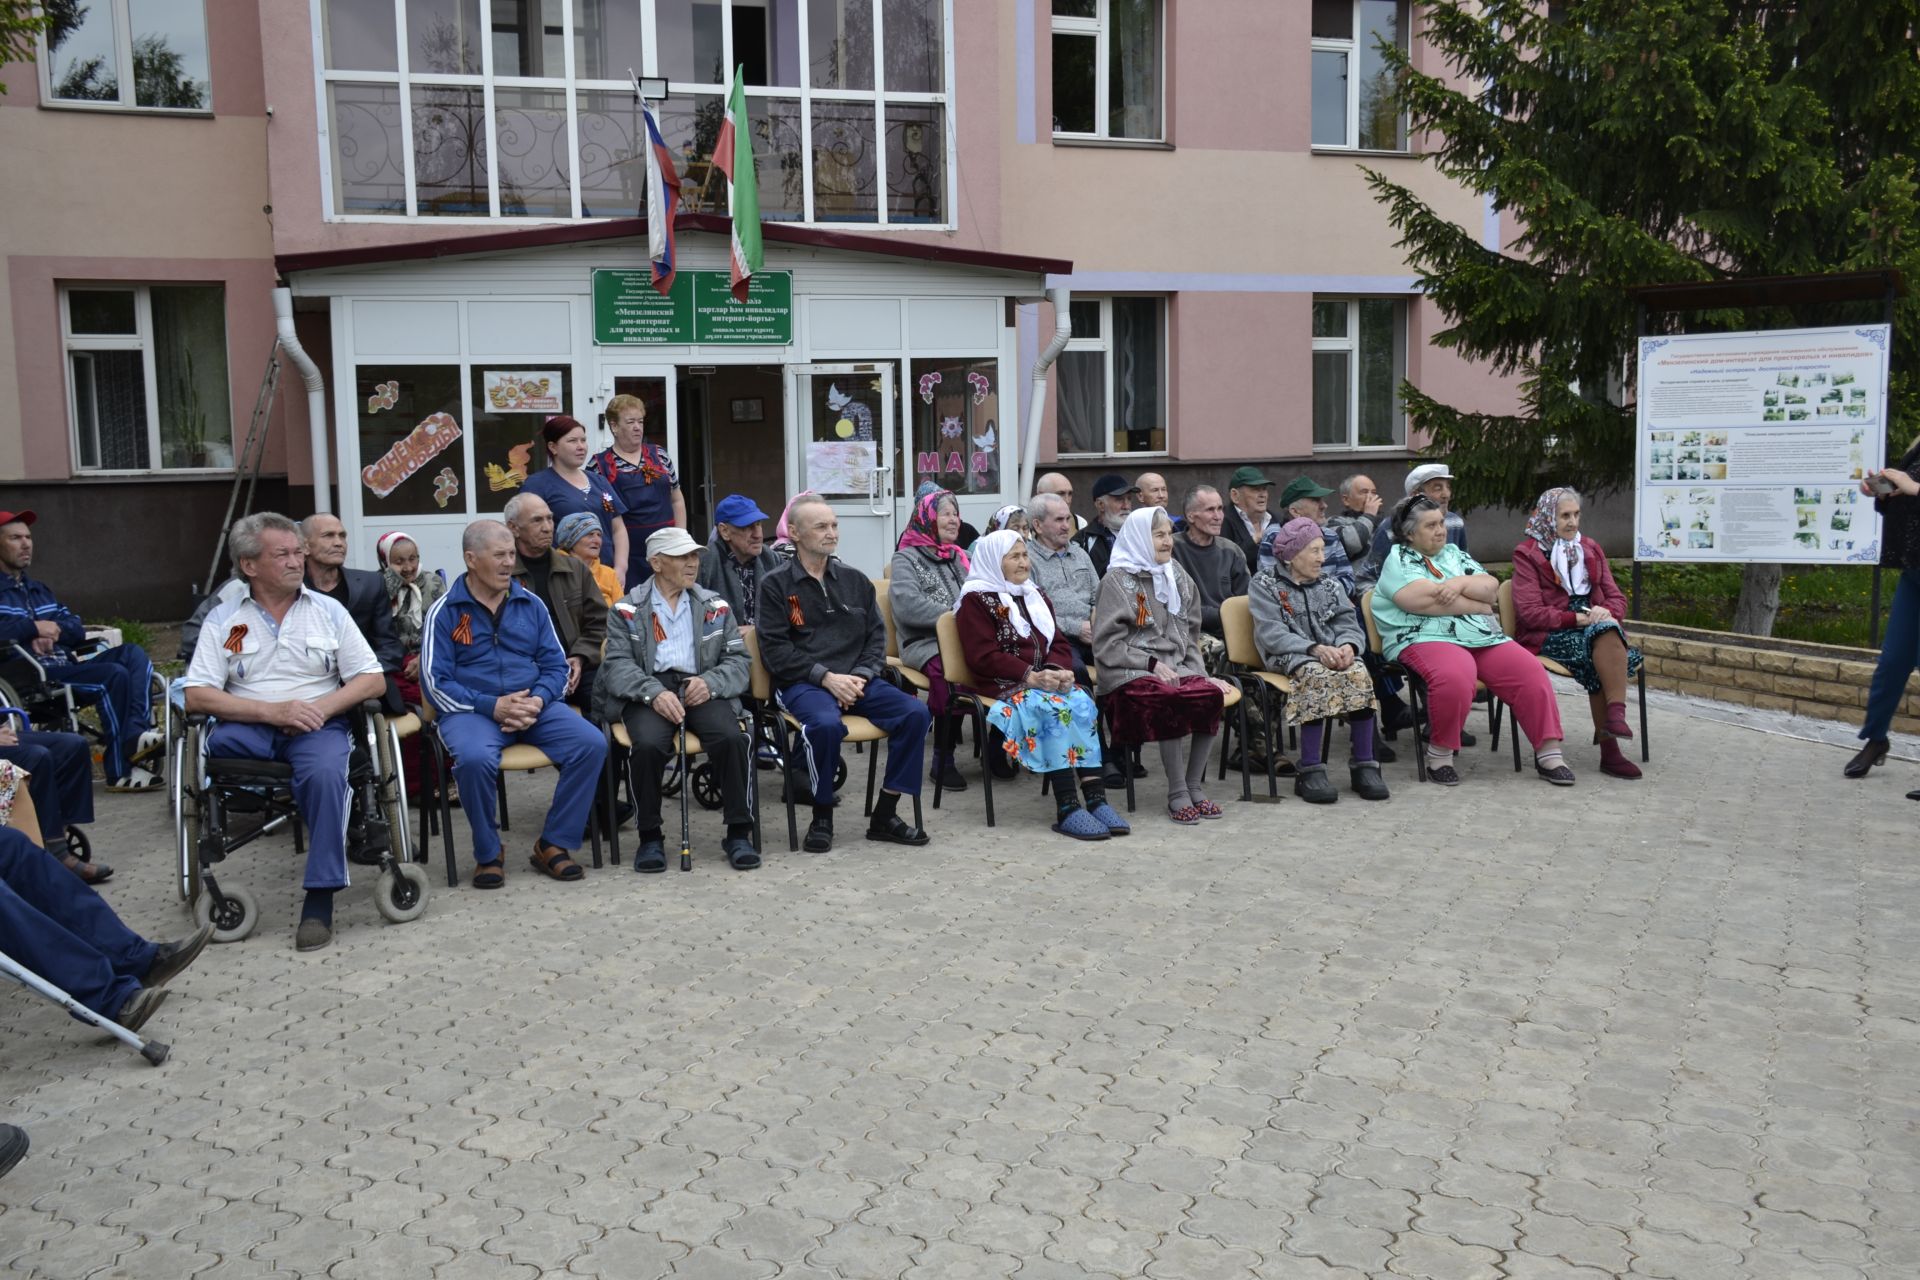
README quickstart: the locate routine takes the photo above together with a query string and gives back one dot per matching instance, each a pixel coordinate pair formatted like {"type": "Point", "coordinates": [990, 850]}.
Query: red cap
{"type": "Point", "coordinates": [24, 517]}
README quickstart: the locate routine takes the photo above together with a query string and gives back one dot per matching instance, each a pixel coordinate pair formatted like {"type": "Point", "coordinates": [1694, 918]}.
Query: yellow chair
{"type": "Point", "coordinates": [859, 730]}
{"type": "Point", "coordinates": [1231, 699]}
{"type": "Point", "coordinates": [516, 757]}
{"type": "Point", "coordinates": [1243, 657]}
{"type": "Point", "coordinates": [1509, 623]}
{"type": "Point", "coordinates": [959, 677]}
{"type": "Point", "coordinates": [689, 743]}
{"type": "Point", "coordinates": [883, 592]}
{"type": "Point", "coordinates": [1417, 687]}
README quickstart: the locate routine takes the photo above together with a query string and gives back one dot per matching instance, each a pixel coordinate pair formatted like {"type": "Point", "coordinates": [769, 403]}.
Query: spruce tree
{"type": "Point", "coordinates": [1640, 142]}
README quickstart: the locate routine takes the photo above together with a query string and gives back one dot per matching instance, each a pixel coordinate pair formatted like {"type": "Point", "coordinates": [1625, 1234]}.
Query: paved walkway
{"type": "Point", "coordinates": [1666, 1029]}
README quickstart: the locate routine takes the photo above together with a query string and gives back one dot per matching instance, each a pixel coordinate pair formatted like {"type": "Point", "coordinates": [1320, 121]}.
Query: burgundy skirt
{"type": "Point", "coordinates": [1150, 710]}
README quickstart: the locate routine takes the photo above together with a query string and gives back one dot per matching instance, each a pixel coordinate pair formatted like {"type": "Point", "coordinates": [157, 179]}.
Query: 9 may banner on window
{"type": "Point", "coordinates": [1752, 446]}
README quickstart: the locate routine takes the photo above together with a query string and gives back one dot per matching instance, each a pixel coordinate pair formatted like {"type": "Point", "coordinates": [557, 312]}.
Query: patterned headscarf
{"type": "Point", "coordinates": [386, 544]}
{"type": "Point", "coordinates": [1004, 517]}
{"type": "Point", "coordinates": [781, 534]}
{"type": "Point", "coordinates": [987, 578]}
{"type": "Point", "coordinates": [1133, 553]}
{"type": "Point", "coordinates": [923, 531]}
{"type": "Point", "coordinates": [1567, 558]}
{"type": "Point", "coordinates": [573, 528]}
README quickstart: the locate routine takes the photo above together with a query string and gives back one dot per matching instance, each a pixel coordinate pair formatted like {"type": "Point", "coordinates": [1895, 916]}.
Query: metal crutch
{"type": "Point", "coordinates": [152, 1050]}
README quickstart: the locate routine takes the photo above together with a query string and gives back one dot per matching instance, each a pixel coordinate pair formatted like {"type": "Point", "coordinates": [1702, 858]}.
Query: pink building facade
{"type": "Point", "coordinates": [447, 188]}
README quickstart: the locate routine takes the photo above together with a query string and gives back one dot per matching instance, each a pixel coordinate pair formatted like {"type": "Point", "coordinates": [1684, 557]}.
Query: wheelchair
{"type": "Point", "coordinates": [50, 705]}
{"type": "Point", "coordinates": [222, 804]}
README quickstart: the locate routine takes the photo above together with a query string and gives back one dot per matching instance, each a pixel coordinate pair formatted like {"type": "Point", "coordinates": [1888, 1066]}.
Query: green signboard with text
{"type": "Point", "coordinates": [628, 311]}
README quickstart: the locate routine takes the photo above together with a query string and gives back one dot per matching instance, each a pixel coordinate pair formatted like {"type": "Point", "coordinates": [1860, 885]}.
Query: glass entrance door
{"type": "Point", "coordinates": [840, 430]}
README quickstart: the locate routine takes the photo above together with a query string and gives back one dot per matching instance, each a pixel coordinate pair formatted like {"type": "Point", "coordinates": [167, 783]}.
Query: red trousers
{"type": "Point", "coordinates": [1514, 675]}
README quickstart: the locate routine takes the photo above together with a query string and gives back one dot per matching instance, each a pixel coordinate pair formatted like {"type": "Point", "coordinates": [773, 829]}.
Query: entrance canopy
{"type": "Point", "coordinates": [861, 366]}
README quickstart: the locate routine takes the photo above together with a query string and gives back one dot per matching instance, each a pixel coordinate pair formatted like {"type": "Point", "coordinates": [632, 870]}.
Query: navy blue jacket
{"type": "Point", "coordinates": [468, 662]}
{"type": "Point", "coordinates": [24, 602]}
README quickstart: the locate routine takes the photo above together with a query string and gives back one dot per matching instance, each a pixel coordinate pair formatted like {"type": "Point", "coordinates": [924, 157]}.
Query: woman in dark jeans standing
{"type": "Point", "coordinates": [1900, 648]}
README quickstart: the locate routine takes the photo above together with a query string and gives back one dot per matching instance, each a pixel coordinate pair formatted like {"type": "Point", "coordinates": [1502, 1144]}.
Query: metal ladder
{"type": "Point", "coordinates": [246, 471]}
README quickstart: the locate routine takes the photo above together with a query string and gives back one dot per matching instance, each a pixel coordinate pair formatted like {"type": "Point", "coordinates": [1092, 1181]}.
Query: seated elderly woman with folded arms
{"type": "Point", "coordinates": [1146, 649]}
{"type": "Point", "coordinates": [1307, 630]}
{"type": "Point", "coordinates": [1568, 608]}
{"type": "Point", "coordinates": [1019, 657]}
{"type": "Point", "coordinates": [1435, 606]}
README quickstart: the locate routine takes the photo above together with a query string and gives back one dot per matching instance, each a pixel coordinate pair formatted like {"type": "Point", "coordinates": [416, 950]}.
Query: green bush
{"type": "Point", "coordinates": [1822, 604]}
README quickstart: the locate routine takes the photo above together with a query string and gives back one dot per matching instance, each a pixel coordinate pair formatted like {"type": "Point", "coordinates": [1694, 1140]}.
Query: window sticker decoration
{"type": "Point", "coordinates": [856, 419]}
{"type": "Point", "coordinates": [514, 474]}
{"type": "Point", "coordinates": [981, 387]}
{"type": "Point", "coordinates": [537, 391]}
{"type": "Point", "coordinates": [446, 487]}
{"type": "Point", "coordinates": [385, 396]}
{"type": "Point", "coordinates": [410, 453]}
{"type": "Point", "coordinates": [928, 381]}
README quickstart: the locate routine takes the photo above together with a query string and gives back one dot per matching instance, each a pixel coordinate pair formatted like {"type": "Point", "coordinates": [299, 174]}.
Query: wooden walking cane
{"type": "Point", "coordinates": [686, 838]}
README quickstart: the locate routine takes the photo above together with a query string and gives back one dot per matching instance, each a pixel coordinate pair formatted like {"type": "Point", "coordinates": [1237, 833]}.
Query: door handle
{"type": "Point", "coordinates": [877, 494]}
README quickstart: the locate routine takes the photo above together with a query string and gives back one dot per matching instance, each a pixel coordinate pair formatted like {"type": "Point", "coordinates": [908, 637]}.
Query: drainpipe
{"type": "Point", "coordinates": [1037, 407]}
{"type": "Point", "coordinates": [316, 398]}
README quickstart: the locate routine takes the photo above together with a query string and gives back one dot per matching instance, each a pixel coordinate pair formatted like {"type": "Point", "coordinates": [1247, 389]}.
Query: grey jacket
{"type": "Point", "coordinates": [1355, 533]}
{"type": "Point", "coordinates": [627, 675]}
{"type": "Point", "coordinates": [922, 588]}
{"type": "Point", "coordinates": [1321, 614]}
{"type": "Point", "coordinates": [1070, 581]}
{"type": "Point", "coordinates": [1123, 651]}
{"type": "Point", "coordinates": [720, 572]}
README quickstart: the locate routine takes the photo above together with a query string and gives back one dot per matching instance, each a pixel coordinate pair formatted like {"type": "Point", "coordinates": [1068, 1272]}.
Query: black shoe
{"type": "Point", "coordinates": [1139, 770]}
{"type": "Point", "coordinates": [819, 836]}
{"type": "Point", "coordinates": [1384, 754]}
{"type": "Point", "coordinates": [367, 842]}
{"type": "Point", "coordinates": [948, 776]}
{"type": "Point", "coordinates": [1115, 781]}
{"type": "Point", "coordinates": [896, 830]}
{"type": "Point", "coordinates": [1559, 775]}
{"type": "Point", "coordinates": [1875, 752]}
{"type": "Point", "coordinates": [1396, 717]}
{"type": "Point", "coordinates": [1003, 765]}
{"type": "Point", "coordinates": [1913, 795]}
{"type": "Point", "coordinates": [1443, 774]}
{"type": "Point", "coordinates": [652, 857]}
{"type": "Point", "coordinates": [172, 957]}
{"type": "Point", "coordinates": [622, 813]}
{"type": "Point", "coordinates": [311, 934]}
{"type": "Point", "coordinates": [139, 1007]}
{"type": "Point", "coordinates": [1468, 740]}
{"type": "Point", "coordinates": [1312, 786]}
{"type": "Point", "coordinates": [13, 1147]}
{"type": "Point", "coordinates": [1366, 780]}
{"type": "Point", "coordinates": [741, 855]}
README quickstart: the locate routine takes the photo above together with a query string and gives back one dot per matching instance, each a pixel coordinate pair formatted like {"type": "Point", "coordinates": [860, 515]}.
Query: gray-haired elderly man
{"type": "Point", "coordinates": [280, 667]}
{"type": "Point", "coordinates": [1063, 569]}
{"type": "Point", "coordinates": [676, 659]}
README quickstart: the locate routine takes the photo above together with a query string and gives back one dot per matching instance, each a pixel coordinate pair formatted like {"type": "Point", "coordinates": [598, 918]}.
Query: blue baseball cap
{"type": "Point", "coordinates": [739, 511]}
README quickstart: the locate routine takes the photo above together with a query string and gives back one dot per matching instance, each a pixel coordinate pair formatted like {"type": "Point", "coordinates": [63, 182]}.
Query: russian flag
{"type": "Point", "coordinates": [663, 199]}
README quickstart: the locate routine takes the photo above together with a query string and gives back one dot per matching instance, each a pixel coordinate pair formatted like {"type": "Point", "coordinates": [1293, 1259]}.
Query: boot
{"type": "Point", "coordinates": [1311, 785]}
{"type": "Point", "coordinates": [1614, 762]}
{"type": "Point", "coordinates": [945, 773]}
{"type": "Point", "coordinates": [1366, 780]}
{"type": "Point", "coordinates": [1875, 752]}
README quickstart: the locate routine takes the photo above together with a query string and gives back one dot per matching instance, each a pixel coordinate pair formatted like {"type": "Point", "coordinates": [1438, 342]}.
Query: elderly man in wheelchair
{"type": "Point", "coordinates": [282, 670]}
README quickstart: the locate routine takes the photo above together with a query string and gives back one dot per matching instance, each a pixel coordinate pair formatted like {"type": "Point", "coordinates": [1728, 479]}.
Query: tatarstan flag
{"type": "Point", "coordinates": [734, 155]}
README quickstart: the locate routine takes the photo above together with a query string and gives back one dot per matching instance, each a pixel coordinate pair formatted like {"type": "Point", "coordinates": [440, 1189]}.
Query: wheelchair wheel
{"type": "Point", "coordinates": [78, 844]}
{"type": "Point", "coordinates": [401, 894]}
{"type": "Point", "coordinates": [186, 834]}
{"type": "Point", "coordinates": [233, 919]}
{"type": "Point", "coordinates": [706, 787]}
{"type": "Point", "coordinates": [393, 795]}
{"type": "Point", "coordinates": [839, 774]}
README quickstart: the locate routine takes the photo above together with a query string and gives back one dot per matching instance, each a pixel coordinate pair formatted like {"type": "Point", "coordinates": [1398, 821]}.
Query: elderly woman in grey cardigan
{"type": "Point", "coordinates": [1146, 649]}
{"type": "Point", "coordinates": [928, 568]}
{"type": "Point", "coordinates": [1307, 630]}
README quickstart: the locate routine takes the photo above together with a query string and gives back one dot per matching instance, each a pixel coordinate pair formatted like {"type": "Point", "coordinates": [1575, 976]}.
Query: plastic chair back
{"type": "Point", "coordinates": [953, 655]}
{"type": "Point", "coordinates": [1373, 630]}
{"type": "Point", "coordinates": [1236, 622]}
{"type": "Point", "coordinates": [761, 681]}
{"type": "Point", "coordinates": [883, 595]}
{"type": "Point", "coordinates": [1508, 615]}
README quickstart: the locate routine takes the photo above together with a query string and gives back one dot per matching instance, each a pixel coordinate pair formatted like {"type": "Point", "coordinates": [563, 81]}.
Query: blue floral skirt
{"type": "Point", "coordinates": [1048, 731]}
{"type": "Point", "coordinates": [1573, 649]}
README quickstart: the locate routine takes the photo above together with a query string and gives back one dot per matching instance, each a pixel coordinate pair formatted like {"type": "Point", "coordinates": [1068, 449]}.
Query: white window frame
{"type": "Point", "coordinates": [1104, 345]}
{"type": "Point", "coordinates": [1100, 28]}
{"type": "Point", "coordinates": [1352, 48]}
{"type": "Point", "coordinates": [141, 340]}
{"type": "Point", "coordinates": [571, 88]}
{"type": "Point", "coordinates": [123, 69]}
{"type": "Point", "coordinates": [1350, 345]}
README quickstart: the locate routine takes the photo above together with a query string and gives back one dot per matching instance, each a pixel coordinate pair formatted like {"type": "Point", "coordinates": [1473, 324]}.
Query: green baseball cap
{"type": "Point", "coordinates": [1301, 487]}
{"type": "Point", "coordinates": [1249, 478]}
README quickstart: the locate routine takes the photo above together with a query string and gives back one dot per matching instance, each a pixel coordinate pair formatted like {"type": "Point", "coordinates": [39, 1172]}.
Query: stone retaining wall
{"type": "Point", "coordinates": [1827, 682]}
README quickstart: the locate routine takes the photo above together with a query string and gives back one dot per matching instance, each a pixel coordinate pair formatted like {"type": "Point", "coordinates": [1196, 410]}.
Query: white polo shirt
{"type": "Point", "coordinates": [309, 654]}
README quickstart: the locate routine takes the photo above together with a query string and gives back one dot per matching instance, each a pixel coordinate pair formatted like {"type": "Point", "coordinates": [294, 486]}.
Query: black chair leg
{"type": "Point", "coordinates": [500, 789]}
{"type": "Point", "coordinates": [1646, 751]}
{"type": "Point", "coordinates": [986, 765]}
{"type": "Point", "coordinates": [1246, 778]}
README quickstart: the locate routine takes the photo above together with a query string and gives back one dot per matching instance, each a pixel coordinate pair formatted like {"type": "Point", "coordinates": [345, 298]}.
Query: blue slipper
{"type": "Point", "coordinates": [1116, 825]}
{"type": "Point", "coordinates": [1081, 825]}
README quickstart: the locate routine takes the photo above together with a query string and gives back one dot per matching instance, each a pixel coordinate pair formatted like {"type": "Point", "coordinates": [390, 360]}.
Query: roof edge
{"type": "Point", "coordinates": [633, 228]}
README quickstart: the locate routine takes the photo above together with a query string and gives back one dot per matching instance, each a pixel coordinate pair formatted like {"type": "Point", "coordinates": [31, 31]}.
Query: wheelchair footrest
{"type": "Point", "coordinates": [225, 767]}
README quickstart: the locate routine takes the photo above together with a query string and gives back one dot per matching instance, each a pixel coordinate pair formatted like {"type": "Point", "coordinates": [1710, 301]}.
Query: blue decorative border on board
{"type": "Point", "coordinates": [1650, 345]}
{"type": "Point", "coordinates": [1869, 554]}
{"type": "Point", "coordinates": [1877, 336]}
{"type": "Point", "coordinates": [1649, 553]}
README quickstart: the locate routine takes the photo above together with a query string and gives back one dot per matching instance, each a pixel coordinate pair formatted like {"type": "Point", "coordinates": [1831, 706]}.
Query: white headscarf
{"type": "Point", "coordinates": [1133, 553]}
{"type": "Point", "coordinates": [985, 577]}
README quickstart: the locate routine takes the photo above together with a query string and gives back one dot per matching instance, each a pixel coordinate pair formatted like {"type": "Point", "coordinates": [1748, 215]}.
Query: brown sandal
{"type": "Point", "coordinates": [490, 875]}
{"type": "Point", "coordinates": [556, 862]}
{"type": "Point", "coordinates": [89, 872]}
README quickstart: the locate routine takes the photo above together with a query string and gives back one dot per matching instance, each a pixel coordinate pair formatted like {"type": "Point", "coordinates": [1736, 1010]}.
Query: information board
{"type": "Point", "coordinates": [629, 312]}
{"type": "Point", "coordinates": [1752, 446]}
